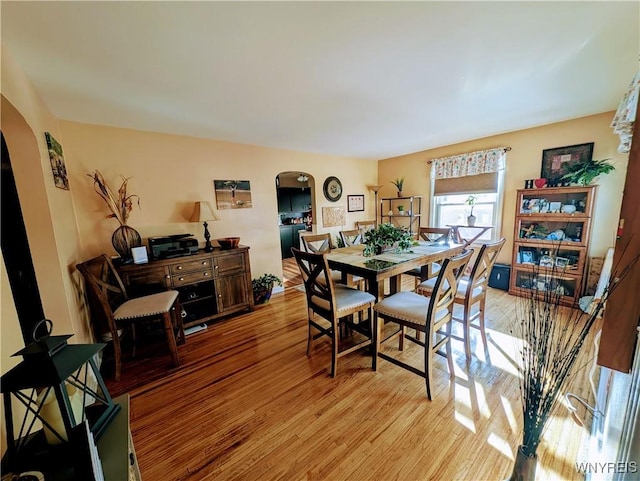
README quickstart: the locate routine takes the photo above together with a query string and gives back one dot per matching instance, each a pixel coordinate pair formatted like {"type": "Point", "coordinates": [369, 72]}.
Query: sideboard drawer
{"type": "Point", "coordinates": [190, 266]}
{"type": "Point", "coordinates": [191, 278]}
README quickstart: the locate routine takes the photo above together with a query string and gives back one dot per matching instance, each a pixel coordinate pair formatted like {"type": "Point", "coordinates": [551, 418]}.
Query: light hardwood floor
{"type": "Point", "coordinates": [247, 404]}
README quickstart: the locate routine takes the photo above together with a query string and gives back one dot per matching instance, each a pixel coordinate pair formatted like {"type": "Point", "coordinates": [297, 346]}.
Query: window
{"type": "Point", "coordinates": [450, 209]}
{"type": "Point", "coordinates": [454, 179]}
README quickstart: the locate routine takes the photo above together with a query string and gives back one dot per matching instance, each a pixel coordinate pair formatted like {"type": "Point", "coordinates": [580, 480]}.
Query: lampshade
{"type": "Point", "coordinates": [203, 212]}
{"type": "Point", "coordinates": [374, 188]}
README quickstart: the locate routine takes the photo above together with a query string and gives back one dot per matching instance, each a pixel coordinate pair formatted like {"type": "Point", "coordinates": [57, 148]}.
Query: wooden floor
{"type": "Point", "coordinates": [247, 404]}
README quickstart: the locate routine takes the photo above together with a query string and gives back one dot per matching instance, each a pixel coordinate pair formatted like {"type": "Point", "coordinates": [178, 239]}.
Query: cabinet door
{"type": "Point", "coordinates": [284, 200]}
{"type": "Point", "coordinates": [142, 281]}
{"type": "Point", "coordinates": [229, 263]}
{"type": "Point", "coordinates": [232, 293]}
{"type": "Point", "coordinates": [286, 241]}
{"type": "Point", "coordinates": [300, 200]}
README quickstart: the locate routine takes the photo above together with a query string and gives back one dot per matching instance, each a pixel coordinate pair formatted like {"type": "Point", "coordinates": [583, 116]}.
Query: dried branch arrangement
{"type": "Point", "coordinates": [552, 336]}
{"type": "Point", "coordinates": [120, 205]}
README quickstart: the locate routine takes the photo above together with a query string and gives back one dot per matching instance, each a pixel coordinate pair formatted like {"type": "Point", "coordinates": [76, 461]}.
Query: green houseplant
{"type": "Point", "coordinates": [262, 287]}
{"type": "Point", "coordinates": [471, 201]}
{"type": "Point", "coordinates": [386, 236]}
{"type": "Point", "coordinates": [583, 173]}
{"type": "Point", "coordinates": [399, 182]}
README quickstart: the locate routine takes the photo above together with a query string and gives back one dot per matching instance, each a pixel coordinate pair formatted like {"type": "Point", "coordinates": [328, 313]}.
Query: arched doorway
{"type": "Point", "coordinates": [295, 193]}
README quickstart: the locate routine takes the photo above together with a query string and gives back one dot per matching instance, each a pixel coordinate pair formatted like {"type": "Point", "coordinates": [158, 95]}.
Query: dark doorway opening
{"type": "Point", "coordinates": [16, 253]}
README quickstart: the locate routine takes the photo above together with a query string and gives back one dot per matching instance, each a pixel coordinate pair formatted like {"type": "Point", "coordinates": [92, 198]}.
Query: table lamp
{"type": "Point", "coordinates": [203, 212]}
{"type": "Point", "coordinates": [375, 189]}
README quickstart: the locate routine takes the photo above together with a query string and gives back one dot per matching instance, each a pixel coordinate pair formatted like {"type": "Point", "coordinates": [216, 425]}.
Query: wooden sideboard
{"type": "Point", "coordinates": [211, 284]}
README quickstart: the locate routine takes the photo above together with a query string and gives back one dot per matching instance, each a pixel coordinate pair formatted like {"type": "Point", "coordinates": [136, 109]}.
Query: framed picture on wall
{"type": "Point", "coordinates": [555, 162]}
{"type": "Point", "coordinates": [355, 203]}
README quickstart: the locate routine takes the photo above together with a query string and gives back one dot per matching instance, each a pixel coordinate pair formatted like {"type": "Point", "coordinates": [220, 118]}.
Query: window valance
{"type": "Point", "coordinates": [625, 115]}
{"type": "Point", "coordinates": [472, 163]}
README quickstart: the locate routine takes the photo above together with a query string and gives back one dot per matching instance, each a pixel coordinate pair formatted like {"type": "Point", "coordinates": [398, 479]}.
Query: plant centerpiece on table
{"type": "Point", "coordinates": [585, 172]}
{"type": "Point", "coordinates": [386, 236]}
{"type": "Point", "coordinates": [124, 237]}
{"type": "Point", "coordinates": [552, 337]}
{"type": "Point", "coordinates": [262, 287]}
{"type": "Point", "coordinates": [399, 182]}
{"type": "Point", "coordinates": [471, 201]}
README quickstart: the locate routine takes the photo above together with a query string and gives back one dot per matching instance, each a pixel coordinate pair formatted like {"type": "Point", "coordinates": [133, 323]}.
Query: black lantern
{"type": "Point", "coordinates": [60, 385]}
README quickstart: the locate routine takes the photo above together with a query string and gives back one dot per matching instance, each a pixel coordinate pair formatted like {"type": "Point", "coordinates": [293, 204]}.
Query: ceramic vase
{"type": "Point", "coordinates": [524, 468]}
{"type": "Point", "coordinates": [123, 239]}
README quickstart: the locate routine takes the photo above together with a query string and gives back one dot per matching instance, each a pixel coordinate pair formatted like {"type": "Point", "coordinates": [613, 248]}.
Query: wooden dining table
{"type": "Point", "coordinates": [388, 265]}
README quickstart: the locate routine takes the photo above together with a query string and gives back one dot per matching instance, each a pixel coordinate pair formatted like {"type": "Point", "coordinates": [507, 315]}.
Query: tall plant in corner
{"type": "Point", "coordinates": [124, 237]}
{"type": "Point", "coordinates": [552, 337]}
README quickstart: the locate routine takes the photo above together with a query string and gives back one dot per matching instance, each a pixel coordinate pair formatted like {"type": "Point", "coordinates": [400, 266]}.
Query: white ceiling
{"type": "Point", "coordinates": [361, 79]}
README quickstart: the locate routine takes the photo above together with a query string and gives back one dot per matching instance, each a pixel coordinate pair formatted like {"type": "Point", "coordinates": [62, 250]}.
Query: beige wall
{"type": "Point", "coordinates": [523, 162]}
{"type": "Point", "coordinates": [170, 172]}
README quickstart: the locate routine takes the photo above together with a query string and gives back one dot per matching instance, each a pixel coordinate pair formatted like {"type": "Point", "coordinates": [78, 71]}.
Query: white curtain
{"type": "Point", "coordinates": [625, 115]}
{"type": "Point", "coordinates": [472, 163]}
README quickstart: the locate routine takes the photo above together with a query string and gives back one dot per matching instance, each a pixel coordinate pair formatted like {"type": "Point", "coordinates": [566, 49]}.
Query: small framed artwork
{"type": "Point", "coordinates": [555, 162]}
{"type": "Point", "coordinates": [527, 257]}
{"type": "Point", "coordinates": [140, 255]}
{"type": "Point", "coordinates": [232, 194]}
{"type": "Point", "coordinates": [562, 262]}
{"type": "Point", "coordinates": [546, 261]}
{"type": "Point", "coordinates": [355, 203]}
{"type": "Point", "coordinates": [57, 162]}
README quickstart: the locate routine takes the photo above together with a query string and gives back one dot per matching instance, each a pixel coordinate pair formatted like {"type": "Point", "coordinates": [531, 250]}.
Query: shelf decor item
{"type": "Point", "coordinates": [552, 338]}
{"type": "Point", "coordinates": [263, 286]}
{"type": "Point", "coordinates": [124, 237]}
{"type": "Point", "coordinates": [399, 182]}
{"type": "Point", "coordinates": [54, 383]}
{"type": "Point", "coordinates": [585, 172]}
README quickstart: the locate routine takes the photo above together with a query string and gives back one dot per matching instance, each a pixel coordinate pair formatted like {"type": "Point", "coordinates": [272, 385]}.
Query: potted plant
{"type": "Point", "coordinates": [262, 287]}
{"type": "Point", "coordinates": [401, 209]}
{"type": "Point", "coordinates": [583, 173]}
{"type": "Point", "coordinates": [471, 201]}
{"type": "Point", "coordinates": [399, 182]}
{"type": "Point", "coordinates": [386, 236]}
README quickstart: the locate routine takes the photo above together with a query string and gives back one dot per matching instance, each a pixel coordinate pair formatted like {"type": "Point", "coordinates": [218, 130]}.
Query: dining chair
{"type": "Point", "coordinates": [335, 304]}
{"type": "Point", "coordinates": [321, 243]}
{"type": "Point", "coordinates": [429, 315]}
{"type": "Point", "coordinates": [472, 289]}
{"type": "Point", "coordinates": [114, 313]}
{"type": "Point", "coordinates": [438, 235]}
{"type": "Point", "coordinates": [351, 237]}
{"type": "Point", "coordinates": [365, 225]}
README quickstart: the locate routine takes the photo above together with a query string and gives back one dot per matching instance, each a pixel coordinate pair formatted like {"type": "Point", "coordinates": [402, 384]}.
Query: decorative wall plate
{"type": "Point", "coordinates": [332, 189]}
